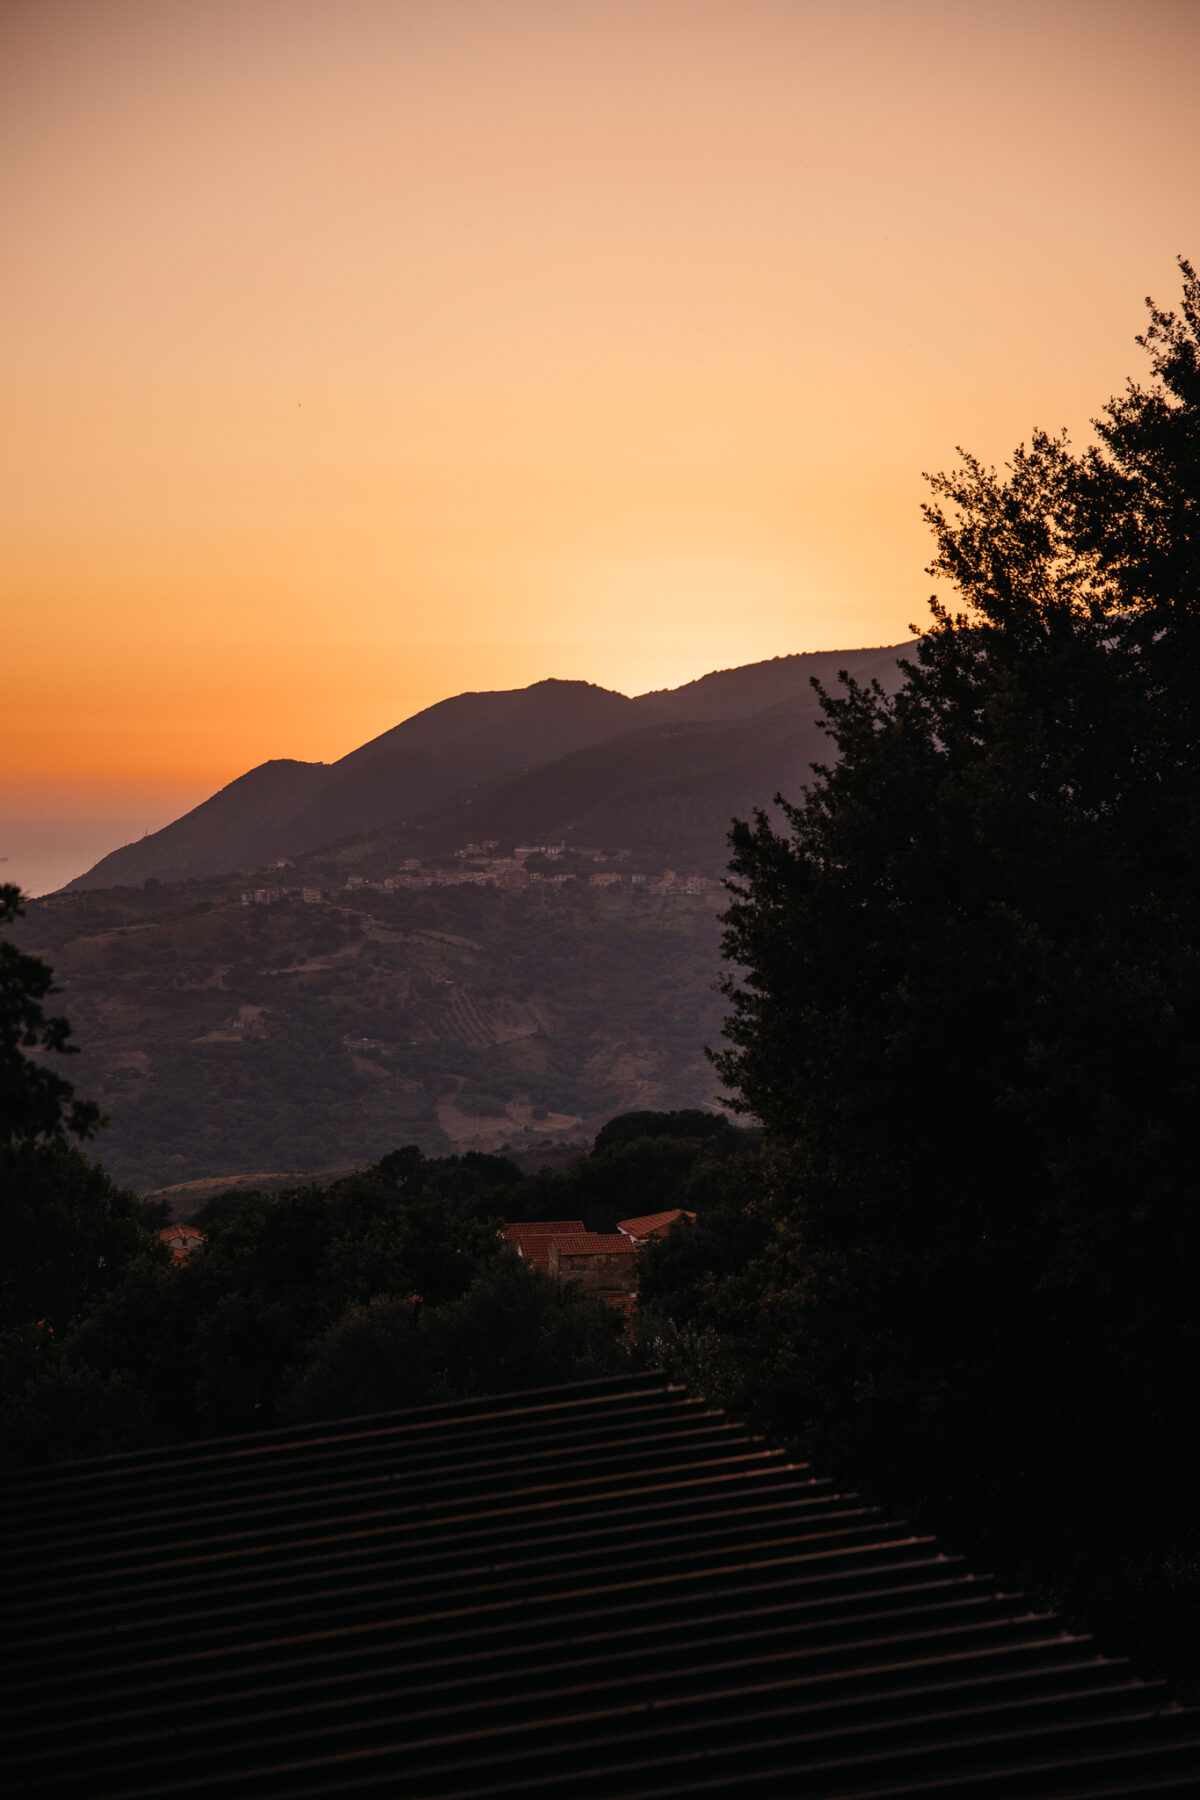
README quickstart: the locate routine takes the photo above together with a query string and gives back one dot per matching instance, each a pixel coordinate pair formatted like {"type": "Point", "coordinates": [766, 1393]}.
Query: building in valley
{"type": "Point", "coordinates": [531, 1239]}
{"type": "Point", "coordinates": [182, 1240]}
{"type": "Point", "coordinates": [604, 1262]}
{"type": "Point", "coordinates": [653, 1225]}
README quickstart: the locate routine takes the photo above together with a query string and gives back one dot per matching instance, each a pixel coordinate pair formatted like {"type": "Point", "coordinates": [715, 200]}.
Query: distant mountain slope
{"type": "Point", "coordinates": [672, 787]}
{"type": "Point", "coordinates": [224, 832]}
{"type": "Point", "coordinates": [651, 787]}
{"type": "Point", "coordinates": [400, 775]}
{"type": "Point", "coordinates": [736, 693]}
{"type": "Point", "coordinates": [668, 788]}
{"type": "Point", "coordinates": [456, 744]}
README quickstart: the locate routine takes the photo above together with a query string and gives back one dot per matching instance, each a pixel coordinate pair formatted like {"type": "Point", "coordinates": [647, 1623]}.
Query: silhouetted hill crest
{"type": "Point", "coordinates": [472, 743]}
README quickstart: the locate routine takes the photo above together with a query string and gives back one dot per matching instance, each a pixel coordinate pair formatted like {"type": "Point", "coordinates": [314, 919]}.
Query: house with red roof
{"type": "Point", "coordinates": [183, 1239]}
{"type": "Point", "coordinates": [605, 1262]}
{"type": "Point", "coordinates": [531, 1239]}
{"type": "Point", "coordinates": [602, 1260]}
{"type": "Point", "coordinates": [653, 1225]}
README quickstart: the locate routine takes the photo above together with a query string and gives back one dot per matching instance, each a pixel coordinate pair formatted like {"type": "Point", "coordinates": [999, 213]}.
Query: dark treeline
{"type": "Point", "coordinates": [388, 1288]}
{"type": "Point", "coordinates": [968, 1018]}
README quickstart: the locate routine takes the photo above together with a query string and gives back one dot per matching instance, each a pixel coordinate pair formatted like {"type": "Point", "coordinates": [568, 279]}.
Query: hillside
{"type": "Point", "coordinates": [407, 977]}
{"type": "Point", "coordinates": [223, 1039]}
{"type": "Point", "coordinates": [235, 826]}
{"type": "Point", "coordinates": [460, 750]}
{"type": "Point", "coordinates": [668, 791]}
{"type": "Point", "coordinates": [752, 688]}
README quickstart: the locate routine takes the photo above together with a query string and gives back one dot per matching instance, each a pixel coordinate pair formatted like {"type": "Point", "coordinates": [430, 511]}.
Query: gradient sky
{"type": "Point", "coordinates": [357, 352]}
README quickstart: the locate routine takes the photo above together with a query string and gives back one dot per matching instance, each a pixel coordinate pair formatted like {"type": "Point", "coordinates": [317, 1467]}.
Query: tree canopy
{"type": "Point", "coordinates": [967, 1012]}
{"type": "Point", "coordinates": [35, 1101]}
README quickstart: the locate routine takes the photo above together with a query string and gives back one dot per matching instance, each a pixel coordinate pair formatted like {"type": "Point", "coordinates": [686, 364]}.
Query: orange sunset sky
{"type": "Point", "coordinates": [358, 352]}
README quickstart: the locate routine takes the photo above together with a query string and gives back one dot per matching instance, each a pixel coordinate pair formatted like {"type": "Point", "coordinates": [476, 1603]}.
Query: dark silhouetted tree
{"type": "Point", "coordinates": [968, 1016]}
{"type": "Point", "coordinates": [35, 1101]}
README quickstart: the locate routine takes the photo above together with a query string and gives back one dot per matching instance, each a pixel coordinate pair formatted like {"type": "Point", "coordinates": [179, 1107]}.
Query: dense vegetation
{"type": "Point", "coordinates": [970, 1025]}
{"type": "Point", "coordinates": [388, 1288]}
{"type": "Point", "coordinates": [34, 1097]}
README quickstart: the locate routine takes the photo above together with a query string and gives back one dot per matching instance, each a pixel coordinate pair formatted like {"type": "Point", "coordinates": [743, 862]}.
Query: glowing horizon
{"type": "Point", "coordinates": [362, 354]}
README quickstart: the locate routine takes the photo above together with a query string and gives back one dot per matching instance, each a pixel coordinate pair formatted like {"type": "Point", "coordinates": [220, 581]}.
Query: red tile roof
{"type": "Point", "coordinates": [653, 1224]}
{"type": "Point", "coordinates": [182, 1239]}
{"type": "Point", "coordinates": [533, 1237]}
{"type": "Point", "coordinates": [595, 1243]}
{"type": "Point", "coordinates": [541, 1228]}
{"type": "Point", "coordinates": [618, 1298]}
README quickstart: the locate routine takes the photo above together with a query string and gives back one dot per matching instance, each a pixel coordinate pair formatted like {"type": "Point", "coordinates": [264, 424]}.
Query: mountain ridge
{"type": "Point", "coordinates": [473, 743]}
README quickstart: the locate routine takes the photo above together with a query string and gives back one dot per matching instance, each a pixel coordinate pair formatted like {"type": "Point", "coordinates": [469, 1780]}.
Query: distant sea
{"type": "Point", "coordinates": [43, 850]}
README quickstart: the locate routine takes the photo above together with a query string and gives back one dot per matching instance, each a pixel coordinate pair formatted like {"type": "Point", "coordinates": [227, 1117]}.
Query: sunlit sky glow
{"type": "Point", "coordinates": [358, 352]}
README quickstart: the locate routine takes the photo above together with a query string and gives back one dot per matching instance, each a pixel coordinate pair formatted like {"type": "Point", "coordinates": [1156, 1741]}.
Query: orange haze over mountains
{"type": "Point", "coordinates": [358, 354]}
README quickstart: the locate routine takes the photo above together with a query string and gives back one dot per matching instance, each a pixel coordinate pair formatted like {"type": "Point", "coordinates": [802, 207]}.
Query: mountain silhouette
{"type": "Point", "coordinates": [557, 758]}
{"type": "Point", "coordinates": [671, 788]}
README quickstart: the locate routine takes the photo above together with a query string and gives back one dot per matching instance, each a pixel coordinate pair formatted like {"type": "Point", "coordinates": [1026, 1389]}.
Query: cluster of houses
{"type": "Point", "coordinates": [605, 1262]}
{"type": "Point", "coordinates": [481, 865]}
{"type": "Point", "coordinates": [264, 896]}
{"type": "Point", "coordinates": [510, 873]}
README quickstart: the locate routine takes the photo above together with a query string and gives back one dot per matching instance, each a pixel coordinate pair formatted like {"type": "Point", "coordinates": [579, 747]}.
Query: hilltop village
{"type": "Point", "coordinates": [486, 864]}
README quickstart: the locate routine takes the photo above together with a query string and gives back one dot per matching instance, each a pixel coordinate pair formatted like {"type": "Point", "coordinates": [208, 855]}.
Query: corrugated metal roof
{"type": "Point", "coordinates": [607, 1590]}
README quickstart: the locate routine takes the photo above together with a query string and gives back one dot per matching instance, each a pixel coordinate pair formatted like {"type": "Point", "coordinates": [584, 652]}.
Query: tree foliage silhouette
{"type": "Point", "coordinates": [35, 1101]}
{"type": "Point", "coordinates": [968, 1016]}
